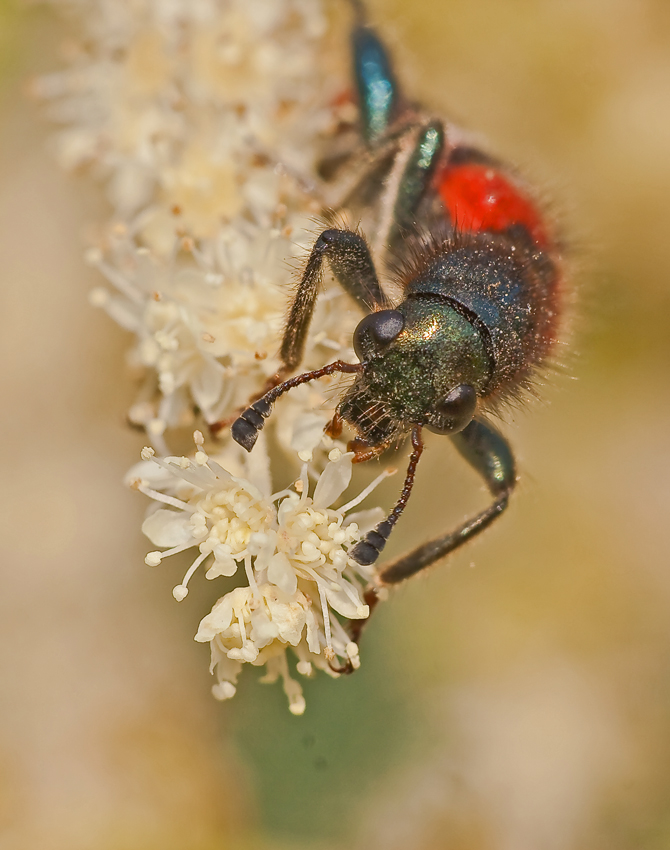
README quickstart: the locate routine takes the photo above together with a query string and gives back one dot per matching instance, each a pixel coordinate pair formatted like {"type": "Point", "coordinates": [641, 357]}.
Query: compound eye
{"type": "Point", "coordinates": [377, 330]}
{"type": "Point", "coordinates": [455, 412]}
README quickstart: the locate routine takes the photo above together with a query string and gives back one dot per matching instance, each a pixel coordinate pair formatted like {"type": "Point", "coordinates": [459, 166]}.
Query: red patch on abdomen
{"type": "Point", "coordinates": [480, 198]}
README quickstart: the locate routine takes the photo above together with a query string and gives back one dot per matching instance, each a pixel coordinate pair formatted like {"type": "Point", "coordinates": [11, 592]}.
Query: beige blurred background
{"type": "Point", "coordinates": [518, 697]}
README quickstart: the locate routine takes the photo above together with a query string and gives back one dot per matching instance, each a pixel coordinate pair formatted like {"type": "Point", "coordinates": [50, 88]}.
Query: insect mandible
{"type": "Point", "coordinates": [481, 301]}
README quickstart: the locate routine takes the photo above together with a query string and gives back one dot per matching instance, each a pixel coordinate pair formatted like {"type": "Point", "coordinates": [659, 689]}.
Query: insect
{"type": "Point", "coordinates": [480, 302]}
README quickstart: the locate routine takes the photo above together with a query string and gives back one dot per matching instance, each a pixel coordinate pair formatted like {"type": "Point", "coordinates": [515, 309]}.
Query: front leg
{"type": "Point", "coordinates": [349, 258]}
{"type": "Point", "coordinates": [367, 550]}
{"type": "Point", "coordinates": [487, 451]}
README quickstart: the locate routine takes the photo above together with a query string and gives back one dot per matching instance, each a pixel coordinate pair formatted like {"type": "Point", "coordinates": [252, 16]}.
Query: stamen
{"type": "Point", "coordinates": [246, 654]}
{"type": "Point", "coordinates": [153, 559]}
{"type": "Point", "coordinates": [304, 479]}
{"type": "Point", "coordinates": [132, 293]}
{"type": "Point", "coordinates": [250, 575]}
{"type": "Point", "coordinates": [167, 500]}
{"type": "Point", "coordinates": [181, 467]}
{"type": "Point", "coordinates": [281, 493]}
{"type": "Point", "coordinates": [352, 653]}
{"type": "Point", "coordinates": [328, 651]}
{"type": "Point", "coordinates": [292, 689]}
{"type": "Point", "coordinates": [223, 690]}
{"type": "Point", "coordinates": [180, 592]}
{"type": "Point", "coordinates": [387, 473]}
{"type": "Point", "coordinates": [362, 610]}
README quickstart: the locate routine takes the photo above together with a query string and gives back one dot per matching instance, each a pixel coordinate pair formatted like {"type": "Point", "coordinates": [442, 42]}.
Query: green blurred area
{"type": "Point", "coordinates": [520, 705]}
{"type": "Point", "coordinates": [11, 31]}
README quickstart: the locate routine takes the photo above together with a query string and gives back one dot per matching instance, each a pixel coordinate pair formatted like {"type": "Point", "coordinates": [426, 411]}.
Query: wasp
{"type": "Point", "coordinates": [478, 271]}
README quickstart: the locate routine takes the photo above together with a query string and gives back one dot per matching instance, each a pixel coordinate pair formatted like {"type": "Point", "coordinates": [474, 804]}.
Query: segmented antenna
{"type": "Point", "coordinates": [249, 424]}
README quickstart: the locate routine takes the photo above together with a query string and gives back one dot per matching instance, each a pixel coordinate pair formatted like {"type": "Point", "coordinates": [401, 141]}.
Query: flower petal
{"type": "Point", "coordinates": [217, 621]}
{"type": "Point", "coordinates": [263, 629]}
{"type": "Point", "coordinates": [281, 573]}
{"type": "Point", "coordinates": [308, 431]}
{"type": "Point", "coordinates": [287, 614]}
{"type": "Point", "coordinates": [333, 481]}
{"type": "Point", "coordinates": [167, 528]}
{"type": "Point", "coordinates": [342, 603]}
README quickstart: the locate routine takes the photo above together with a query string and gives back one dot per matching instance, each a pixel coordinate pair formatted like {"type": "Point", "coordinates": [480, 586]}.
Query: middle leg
{"type": "Point", "coordinates": [489, 454]}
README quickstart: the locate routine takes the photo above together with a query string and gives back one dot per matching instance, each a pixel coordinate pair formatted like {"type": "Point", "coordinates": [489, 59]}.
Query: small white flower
{"type": "Point", "coordinates": [205, 332]}
{"type": "Point", "coordinates": [230, 521]}
{"type": "Point", "coordinates": [257, 625]}
{"type": "Point", "coordinates": [206, 121]}
{"type": "Point", "coordinates": [294, 550]}
{"type": "Point", "coordinates": [217, 513]}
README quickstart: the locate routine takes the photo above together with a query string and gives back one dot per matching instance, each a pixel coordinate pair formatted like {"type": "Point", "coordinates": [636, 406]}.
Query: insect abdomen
{"type": "Point", "coordinates": [480, 197]}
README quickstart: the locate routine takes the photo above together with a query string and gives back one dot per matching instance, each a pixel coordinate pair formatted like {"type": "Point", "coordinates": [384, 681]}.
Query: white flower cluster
{"type": "Point", "coordinates": [291, 548]}
{"type": "Point", "coordinates": [205, 120]}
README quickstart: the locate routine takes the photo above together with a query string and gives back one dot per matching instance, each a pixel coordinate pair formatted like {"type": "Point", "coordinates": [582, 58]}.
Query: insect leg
{"type": "Point", "coordinates": [489, 454]}
{"type": "Point", "coordinates": [350, 260]}
{"type": "Point", "coordinates": [377, 87]}
{"type": "Point", "coordinates": [415, 180]}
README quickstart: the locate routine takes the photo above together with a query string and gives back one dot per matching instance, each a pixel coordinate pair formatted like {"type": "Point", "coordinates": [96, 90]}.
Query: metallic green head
{"type": "Point", "coordinates": [423, 364]}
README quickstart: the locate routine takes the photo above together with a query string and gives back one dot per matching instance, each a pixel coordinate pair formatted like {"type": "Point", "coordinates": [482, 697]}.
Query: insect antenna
{"type": "Point", "coordinates": [366, 551]}
{"type": "Point", "coordinates": [247, 426]}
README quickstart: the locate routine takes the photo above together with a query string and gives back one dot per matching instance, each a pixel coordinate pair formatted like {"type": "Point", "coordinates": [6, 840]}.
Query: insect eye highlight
{"type": "Point", "coordinates": [377, 330]}
{"type": "Point", "coordinates": [455, 412]}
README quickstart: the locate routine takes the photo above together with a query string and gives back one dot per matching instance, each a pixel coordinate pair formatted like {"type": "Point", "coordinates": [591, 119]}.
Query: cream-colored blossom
{"type": "Point", "coordinates": [205, 331]}
{"type": "Point", "coordinates": [205, 121]}
{"type": "Point", "coordinates": [285, 537]}
{"type": "Point", "coordinates": [293, 547]}
{"type": "Point", "coordinates": [257, 625]}
{"type": "Point", "coordinates": [170, 101]}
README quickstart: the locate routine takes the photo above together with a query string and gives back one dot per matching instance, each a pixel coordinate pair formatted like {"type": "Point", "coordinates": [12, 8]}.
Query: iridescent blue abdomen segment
{"type": "Point", "coordinates": [377, 88]}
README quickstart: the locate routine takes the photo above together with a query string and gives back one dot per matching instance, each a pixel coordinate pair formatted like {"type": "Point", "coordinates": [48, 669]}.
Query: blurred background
{"type": "Point", "coordinates": [518, 696]}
